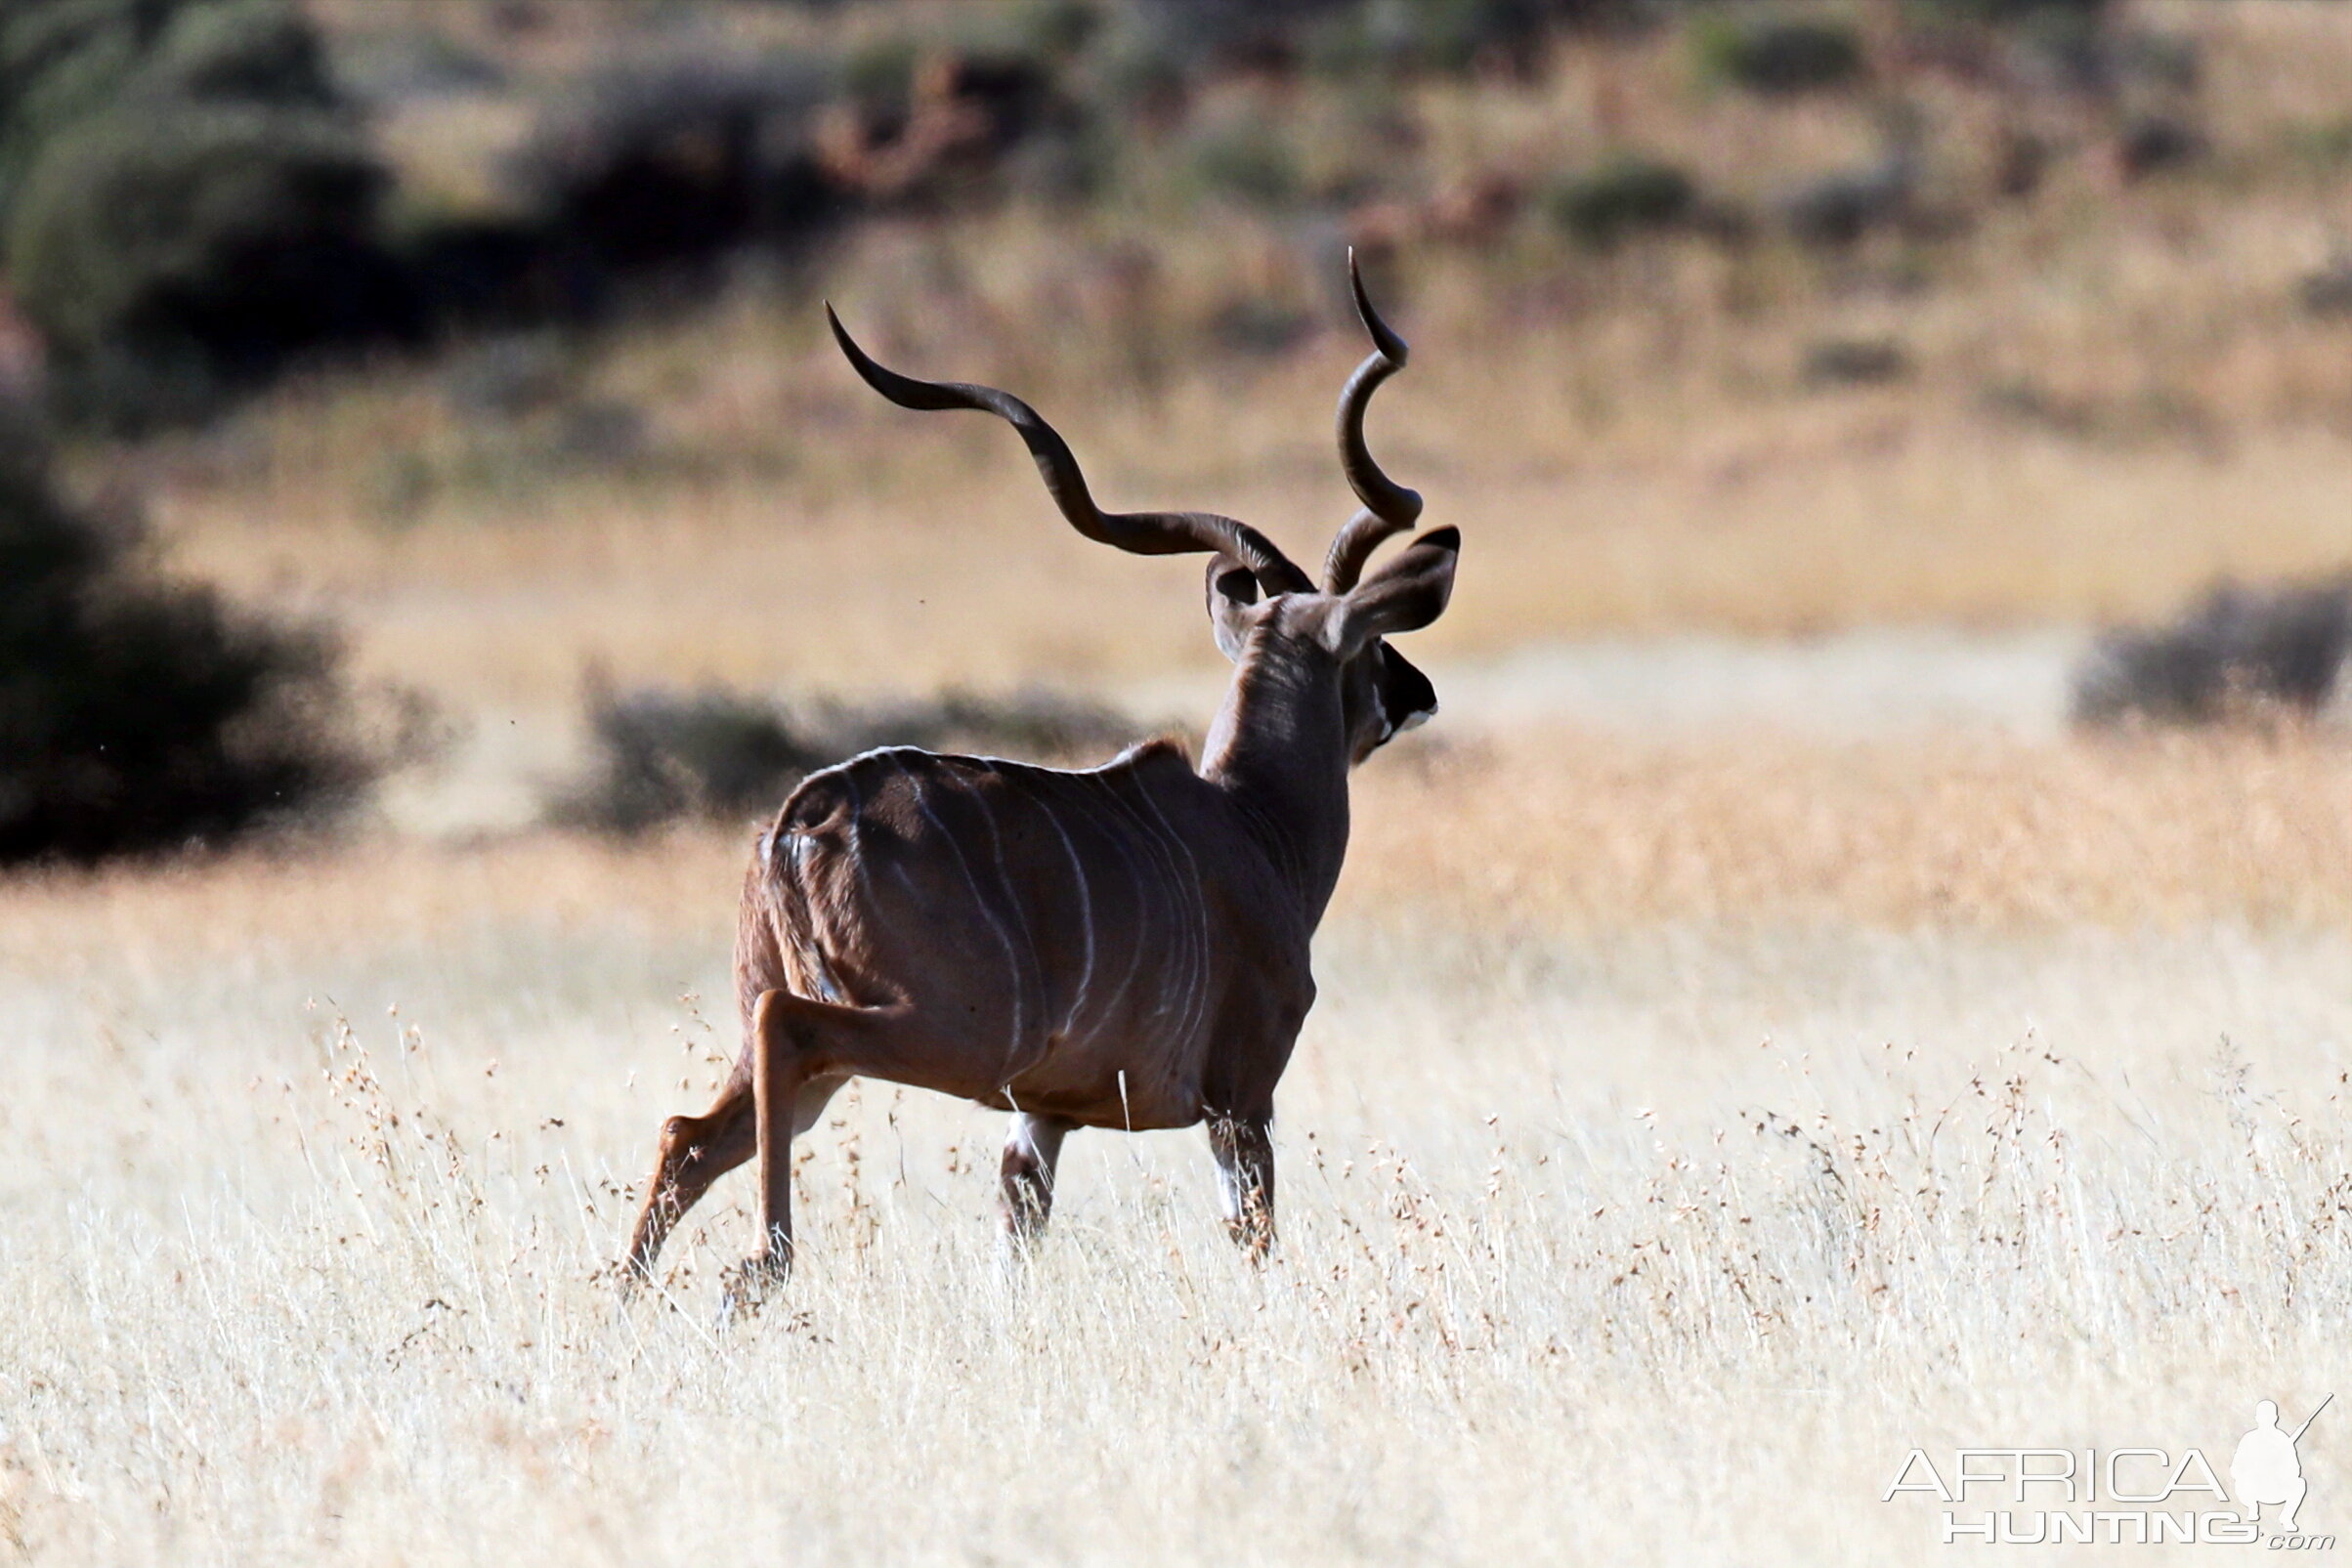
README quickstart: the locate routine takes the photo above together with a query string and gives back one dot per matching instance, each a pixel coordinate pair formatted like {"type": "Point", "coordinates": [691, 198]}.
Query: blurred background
{"type": "Point", "coordinates": [427, 406]}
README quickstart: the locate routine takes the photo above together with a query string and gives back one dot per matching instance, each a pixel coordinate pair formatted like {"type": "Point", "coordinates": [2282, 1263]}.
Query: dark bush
{"type": "Point", "coordinates": [660, 756]}
{"type": "Point", "coordinates": [1247, 159]}
{"type": "Point", "coordinates": [1346, 35]}
{"type": "Point", "coordinates": [1456, 35]}
{"type": "Point", "coordinates": [2155, 143]}
{"type": "Point", "coordinates": [1259, 328]}
{"type": "Point", "coordinates": [2238, 652]}
{"type": "Point", "coordinates": [2005, 12]}
{"type": "Point", "coordinates": [1853, 362]}
{"type": "Point", "coordinates": [60, 59]}
{"type": "Point", "coordinates": [1628, 196]}
{"type": "Point", "coordinates": [63, 62]}
{"type": "Point", "coordinates": [1029, 724]}
{"type": "Point", "coordinates": [173, 250]}
{"type": "Point", "coordinates": [676, 157]}
{"type": "Point", "coordinates": [1211, 33]}
{"type": "Point", "coordinates": [721, 757]}
{"type": "Point", "coordinates": [1778, 54]}
{"type": "Point", "coordinates": [1839, 209]}
{"type": "Point", "coordinates": [140, 716]}
{"type": "Point", "coordinates": [2328, 291]}
{"type": "Point", "coordinates": [241, 51]}
{"type": "Point", "coordinates": [183, 203]}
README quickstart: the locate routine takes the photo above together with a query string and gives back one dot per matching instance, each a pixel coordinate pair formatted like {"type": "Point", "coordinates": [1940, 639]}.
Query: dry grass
{"type": "Point", "coordinates": [971, 576]}
{"type": "Point", "coordinates": [1572, 1266]}
{"type": "Point", "coordinates": [1950, 831]}
{"type": "Point", "coordinates": [1560, 831]}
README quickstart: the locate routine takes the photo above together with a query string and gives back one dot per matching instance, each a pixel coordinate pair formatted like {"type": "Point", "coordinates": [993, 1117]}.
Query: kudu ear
{"type": "Point", "coordinates": [1404, 595]}
{"type": "Point", "coordinates": [1232, 603]}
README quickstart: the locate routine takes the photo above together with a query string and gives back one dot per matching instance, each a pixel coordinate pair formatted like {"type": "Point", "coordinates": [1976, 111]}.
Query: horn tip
{"type": "Point", "coordinates": [1384, 336]}
{"type": "Point", "coordinates": [849, 345]}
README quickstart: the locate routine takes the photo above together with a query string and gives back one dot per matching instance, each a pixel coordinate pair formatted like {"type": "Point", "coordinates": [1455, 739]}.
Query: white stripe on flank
{"type": "Point", "coordinates": [1165, 876]}
{"type": "Point", "coordinates": [817, 971]}
{"type": "Point", "coordinates": [1013, 1046]}
{"type": "Point", "coordinates": [1113, 834]}
{"type": "Point", "coordinates": [1086, 914]}
{"type": "Point", "coordinates": [1013, 902]}
{"type": "Point", "coordinates": [1191, 887]}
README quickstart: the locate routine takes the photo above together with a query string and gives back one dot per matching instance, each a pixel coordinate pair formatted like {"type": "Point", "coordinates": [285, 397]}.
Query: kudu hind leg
{"type": "Point", "coordinates": [777, 1077]}
{"type": "Point", "coordinates": [695, 1151]}
{"type": "Point", "coordinates": [1032, 1150]}
{"type": "Point", "coordinates": [1243, 1147]}
{"type": "Point", "coordinates": [801, 1052]}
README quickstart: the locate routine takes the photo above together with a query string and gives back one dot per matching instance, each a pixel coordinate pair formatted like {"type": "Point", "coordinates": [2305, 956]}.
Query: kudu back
{"type": "Point", "coordinates": [1125, 947]}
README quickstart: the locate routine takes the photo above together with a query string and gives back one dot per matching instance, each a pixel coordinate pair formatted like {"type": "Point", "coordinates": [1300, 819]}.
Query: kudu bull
{"type": "Point", "coordinates": [1125, 947]}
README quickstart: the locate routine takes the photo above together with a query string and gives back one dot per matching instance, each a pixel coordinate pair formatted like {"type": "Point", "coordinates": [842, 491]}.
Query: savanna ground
{"type": "Point", "coordinates": [1707, 1101]}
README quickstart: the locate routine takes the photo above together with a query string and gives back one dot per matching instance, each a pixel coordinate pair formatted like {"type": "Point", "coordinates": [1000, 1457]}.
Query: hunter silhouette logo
{"type": "Point", "coordinates": [2117, 1495]}
{"type": "Point", "coordinates": [2267, 1471]}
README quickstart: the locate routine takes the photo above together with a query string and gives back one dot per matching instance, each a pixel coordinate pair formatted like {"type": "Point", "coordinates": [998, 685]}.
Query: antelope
{"type": "Point", "coordinates": [1125, 947]}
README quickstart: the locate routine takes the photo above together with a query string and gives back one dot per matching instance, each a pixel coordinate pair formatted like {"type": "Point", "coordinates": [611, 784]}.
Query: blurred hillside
{"type": "Point", "coordinates": [1754, 316]}
{"type": "Point", "coordinates": [2116, 221]}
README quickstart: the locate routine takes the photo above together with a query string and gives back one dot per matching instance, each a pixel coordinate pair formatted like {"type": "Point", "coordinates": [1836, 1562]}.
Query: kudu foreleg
{"type": "Point", "coordinates": [1244, 1148]}
{"type": "Point", "coordinates": [1032, 1150]}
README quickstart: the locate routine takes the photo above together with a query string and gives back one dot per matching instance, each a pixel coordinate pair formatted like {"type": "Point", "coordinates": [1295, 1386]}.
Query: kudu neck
{"type": "Point", "coordinates": [1278, 748]}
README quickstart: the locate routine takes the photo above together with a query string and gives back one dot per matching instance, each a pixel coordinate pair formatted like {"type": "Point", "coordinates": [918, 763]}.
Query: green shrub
{"type": "Point", "coordinates": [1455, 35]}
{"type": "Point", "coordinates": [241, 51]}
{"type": "Point", "coordinates": [1854, 361]}
{"type": "Point", "coordinates": [170, 250]}
{"type": "Point", "coordinates": [1247, 159]}
{"type": "Point", "coordinates": [1346, 36]}
{"type": "Point", "coordinates": [722, 756]}
{"type": "Point", "coordinates": [63, 62]}
{"type": "Point", "coordinates": [1626, 197]}
{"type": "Point", "coordinates": [181, 202]}
{"type": "Point", "coordinates": [660, 755]}
{"type": "Point", "coordinates": [2239, 651]}
{"type": "Point", "coordinates": [2004, 12]}
{"type": "Point", "coordinates": [139, 715]}
{"type": "Point", "coordinates": [1778, 54]}
{"type": "Point", "coordinates": [680, 154]}
{"type": "Point", "coordinates": [1209, 32]}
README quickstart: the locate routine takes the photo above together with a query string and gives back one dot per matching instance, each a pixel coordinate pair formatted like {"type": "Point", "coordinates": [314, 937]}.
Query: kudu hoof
{"type": "Point", "coordinates": [744, 1288]}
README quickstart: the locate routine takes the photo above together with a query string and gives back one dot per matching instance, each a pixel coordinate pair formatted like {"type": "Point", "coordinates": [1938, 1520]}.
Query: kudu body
{"type": "Point", "coordinates": [1125, 947]}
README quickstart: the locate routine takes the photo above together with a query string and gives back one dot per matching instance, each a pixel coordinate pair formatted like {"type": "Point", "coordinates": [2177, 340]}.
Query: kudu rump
{"type": "Point", "coordinates": [1120, 947]}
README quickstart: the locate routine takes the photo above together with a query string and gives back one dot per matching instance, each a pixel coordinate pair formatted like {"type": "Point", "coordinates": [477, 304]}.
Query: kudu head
{"type": "Point", "coordinates": [1262, 607]}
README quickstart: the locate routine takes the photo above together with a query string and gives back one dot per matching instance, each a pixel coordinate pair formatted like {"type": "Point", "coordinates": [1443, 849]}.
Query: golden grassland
{"type": "Point", "coordinates": [1558, 830]}
{"type": "Point", "coordinates": [1589, 831]}
{"type": "Point", "coordinates": [1648, 1190]}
